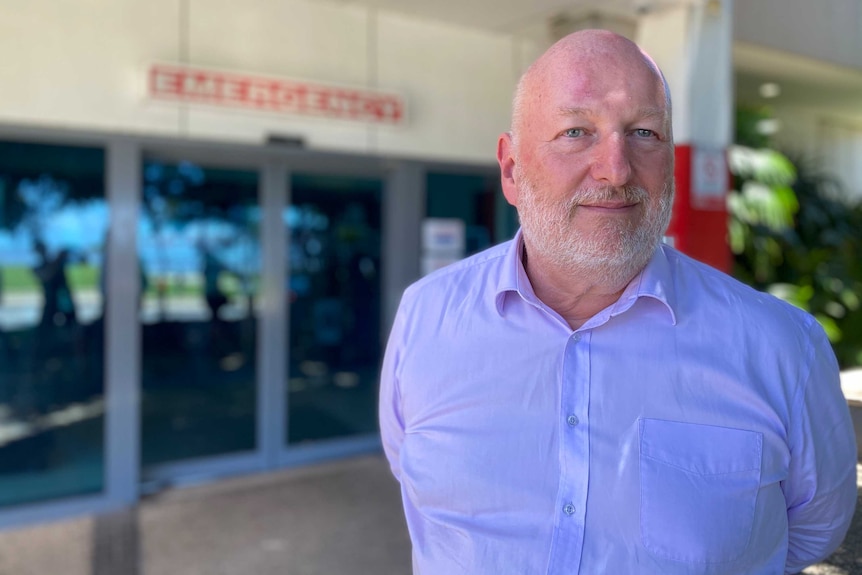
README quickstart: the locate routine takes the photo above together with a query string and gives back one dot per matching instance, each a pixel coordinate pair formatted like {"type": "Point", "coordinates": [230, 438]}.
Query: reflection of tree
{"type": "Point", "coordinates": [40, 198]}
{"type": "Point", "coordinates": [59, 307]}
{"type": "Point", "coordinates": [165, 208]}
{"type": "Point", "coordinates": [52, 214]}
{"type": "Point", "coordinates": [46, 365]}
{"type": "Point", "coordinates": [187, 208]}
{"type": "Point", "coordinates": [215, 298]}
{"type": "Point", "coordinates": [53, 217]}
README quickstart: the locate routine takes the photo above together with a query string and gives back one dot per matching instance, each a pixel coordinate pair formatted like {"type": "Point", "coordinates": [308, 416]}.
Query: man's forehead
{"type": "Point", "coordinates": [639, 112]}
{"type": "Point", "coordinates": [607, 76]}
{"type": "Point", "coordinates": [590, 70]}
{"type": "Point", "coordinates": [591, 46]}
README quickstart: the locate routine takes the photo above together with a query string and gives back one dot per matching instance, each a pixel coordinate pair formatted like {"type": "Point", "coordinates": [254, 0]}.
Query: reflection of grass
{"type": "Point", "coordinates": [19, 278]}
{"type": "Point", "coordinates": [82, 276]}
{"type": "Point", "coordinates": [22, 279]}
{"type": "Point", "coordinates": [193, 284]}
{"type": "Point", "coordinates": [87, 277]}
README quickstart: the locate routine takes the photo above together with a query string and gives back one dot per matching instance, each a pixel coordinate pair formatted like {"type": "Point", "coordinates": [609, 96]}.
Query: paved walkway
{"type": "Point", "coordinates": [342, 517]}
{"type": "Point", "coordinates": [847, 560]}
{"type": "Point", "coordinates": [851, 385]}
{"type": "Point", "coordinates": [330, 519]}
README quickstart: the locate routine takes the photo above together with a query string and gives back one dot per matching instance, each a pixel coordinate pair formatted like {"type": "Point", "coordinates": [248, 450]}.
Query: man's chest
{"type": "Point", "coordinates": [595, 446]}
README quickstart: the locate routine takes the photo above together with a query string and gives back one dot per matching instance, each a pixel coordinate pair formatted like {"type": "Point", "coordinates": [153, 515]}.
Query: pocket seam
{"type": "Point", "coordinates": [693, 472]}
{"type": "Point", "coordinates": [663, 552]}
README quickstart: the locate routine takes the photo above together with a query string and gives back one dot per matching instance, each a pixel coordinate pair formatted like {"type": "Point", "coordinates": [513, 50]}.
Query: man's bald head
{"type": "Point", "coordinates": [575, 54]}
{"type": "Point", "coordinates": [589, 161]}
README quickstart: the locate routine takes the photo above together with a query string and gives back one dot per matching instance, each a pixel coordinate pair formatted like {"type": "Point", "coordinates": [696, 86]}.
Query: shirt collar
{"type": "Point", "coordinates": [654, 281]}
{"type": "Point", "coordinates": [513, 278]}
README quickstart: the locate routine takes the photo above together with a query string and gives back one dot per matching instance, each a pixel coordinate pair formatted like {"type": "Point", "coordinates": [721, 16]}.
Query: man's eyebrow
{"type": "Point", "coordinates": [639, 113]}
{"type": "Point", "coordinates": [573, 112]}
{"type": "Point", "coordinates": [651, 113]}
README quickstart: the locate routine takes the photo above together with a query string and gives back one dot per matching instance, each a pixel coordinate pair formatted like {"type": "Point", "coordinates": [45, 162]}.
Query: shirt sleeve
{"type": "Point", "coordinates": [821, 485]}
{"type": "Point", "coordinates": [389, 404]}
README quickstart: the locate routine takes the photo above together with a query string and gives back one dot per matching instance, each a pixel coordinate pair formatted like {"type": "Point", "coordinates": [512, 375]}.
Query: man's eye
{"type": "Point", "coordinates": [574, 133]}
{"type": "Point", "coordinates": [644, 133]}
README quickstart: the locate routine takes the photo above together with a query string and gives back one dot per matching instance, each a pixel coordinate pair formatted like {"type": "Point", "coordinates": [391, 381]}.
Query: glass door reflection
{"type": "Point", "coordinates": [53, 226]}
{"type": "Point", "coordinates": [334, 293]}
{"type": "Point", "coordinates": [199, 257]}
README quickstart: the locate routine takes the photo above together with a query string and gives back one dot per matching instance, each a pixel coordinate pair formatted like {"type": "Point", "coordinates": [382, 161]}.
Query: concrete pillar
{"type": "Point", "coordinates": [691, 40]}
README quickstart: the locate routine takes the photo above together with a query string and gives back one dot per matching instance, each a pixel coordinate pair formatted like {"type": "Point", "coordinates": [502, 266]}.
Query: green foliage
{"type": "Point", "coordinates": [762, 207]}
{"type": "Point", "coordinates": [793, 236]}
{"type": "Point", "coordinates": [748, 123]}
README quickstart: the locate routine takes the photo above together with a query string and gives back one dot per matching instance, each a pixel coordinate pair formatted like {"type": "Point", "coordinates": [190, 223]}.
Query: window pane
{"type": "Point", "coordinates": [199, 264]}
{"type": "Point", "coordinates": [53, 225]}
{"type": "Point", "coordinates": [335, 306]}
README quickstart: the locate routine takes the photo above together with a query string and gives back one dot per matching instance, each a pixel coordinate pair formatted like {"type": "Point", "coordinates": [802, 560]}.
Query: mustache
{"type": "Point", "coordinates": [627, 194]}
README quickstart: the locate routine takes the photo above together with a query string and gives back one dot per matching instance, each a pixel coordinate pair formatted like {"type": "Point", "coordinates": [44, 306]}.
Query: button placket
{"type": "Point", "coordinates": [567, 544]}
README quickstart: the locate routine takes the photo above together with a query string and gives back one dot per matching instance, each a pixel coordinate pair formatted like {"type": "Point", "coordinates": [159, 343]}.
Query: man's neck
{"type": "Point", "coordinates": [577, 295]}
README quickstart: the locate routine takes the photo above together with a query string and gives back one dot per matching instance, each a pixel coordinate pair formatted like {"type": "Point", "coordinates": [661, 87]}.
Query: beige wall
{"type": "Point", "coordinates": [841, 154]}
{"type": "Point", "coordinates": [830, 144]}
{"type": "Point", "coordinates": [81, 64]}
{"type": "Point", "coordinates": [813, 51]}
{"type": "Point", "coordinates": [68, 63]}
{"type": "Point", "coordinates": [828, 30]}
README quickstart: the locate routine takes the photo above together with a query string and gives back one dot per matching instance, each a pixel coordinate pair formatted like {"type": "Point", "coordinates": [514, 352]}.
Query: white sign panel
{"type": "Point", "coordinates": [709, 183]}
{"type": "Point", "coordinates": [444, 235]}
{"type": "Point", "coordinates": [444, 241]}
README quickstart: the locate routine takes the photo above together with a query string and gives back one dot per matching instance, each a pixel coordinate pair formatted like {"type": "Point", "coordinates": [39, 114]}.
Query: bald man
{"type": "Point", "coordinates": [583, 399]}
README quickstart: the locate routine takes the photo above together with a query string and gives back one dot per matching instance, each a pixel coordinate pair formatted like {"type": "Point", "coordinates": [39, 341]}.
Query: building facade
{"type": "Point", "coordinates": [208, 213]}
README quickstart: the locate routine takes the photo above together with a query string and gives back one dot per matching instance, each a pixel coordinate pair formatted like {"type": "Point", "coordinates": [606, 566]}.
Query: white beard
{"type": "Point", "coordinates": [613, 253]}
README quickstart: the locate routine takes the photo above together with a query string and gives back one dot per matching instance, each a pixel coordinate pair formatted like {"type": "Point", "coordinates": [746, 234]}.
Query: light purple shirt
{"type": "Point", "coordinates": [694, 426]}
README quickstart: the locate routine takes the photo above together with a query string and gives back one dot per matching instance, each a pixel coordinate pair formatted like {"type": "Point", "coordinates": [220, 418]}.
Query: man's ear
{"type": "Point", "coordinates": [506, 159]}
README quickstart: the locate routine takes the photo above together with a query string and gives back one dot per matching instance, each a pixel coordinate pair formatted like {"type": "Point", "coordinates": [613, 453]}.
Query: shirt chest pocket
{"type": "Point", "coordinates": [699, 486]}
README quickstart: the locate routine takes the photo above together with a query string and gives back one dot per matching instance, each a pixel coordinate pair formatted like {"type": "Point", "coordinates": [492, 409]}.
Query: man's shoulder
{"type": "Point", "coordinates": [706, 289]}
{"type": "Point", "coordinates": [474, 274]}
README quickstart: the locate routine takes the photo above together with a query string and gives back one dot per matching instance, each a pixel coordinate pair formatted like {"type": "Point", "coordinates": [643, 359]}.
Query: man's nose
{"type": "Point", "coordinates": [611, 163]}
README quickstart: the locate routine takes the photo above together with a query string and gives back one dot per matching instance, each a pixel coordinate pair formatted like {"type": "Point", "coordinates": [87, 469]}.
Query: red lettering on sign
{"type": "Point", "coordinates": [165, 82]}
{"type": "Point", "coordinates": [184, 83]}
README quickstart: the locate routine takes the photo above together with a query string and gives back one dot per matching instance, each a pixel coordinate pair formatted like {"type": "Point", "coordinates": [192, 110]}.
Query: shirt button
{"type": "Point", "coordinates": [576, 337]}
{"type": "Point", "coordinates": [572, 420]}
{"type": "Point", "coordinates": [569, 509]}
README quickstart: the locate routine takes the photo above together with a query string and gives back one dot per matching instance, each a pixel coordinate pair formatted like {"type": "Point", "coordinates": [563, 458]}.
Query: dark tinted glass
{"type": "Point", "coordinates": [334, 306]}
{"type": "Point", "coordinates": [478, 202]}
{"type": "Point", "coordinates": [53, 226]}
{"type": "Point", "coordinates": [199, 264]}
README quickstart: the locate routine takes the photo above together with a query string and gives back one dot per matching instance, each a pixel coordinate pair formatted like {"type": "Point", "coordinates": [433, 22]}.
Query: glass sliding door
{"type": "Point", "coordinates": [334, 296]}
{"type": "Point", "coordinates": [199, 257]}
{"type": "Point", "coordinates": [53, 226]}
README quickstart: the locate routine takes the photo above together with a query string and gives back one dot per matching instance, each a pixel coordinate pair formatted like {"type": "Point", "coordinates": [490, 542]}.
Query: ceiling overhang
{"type": "Point", "coordinates": [805, 82]}
{"type": "Point", "coordinates": [513, 16]}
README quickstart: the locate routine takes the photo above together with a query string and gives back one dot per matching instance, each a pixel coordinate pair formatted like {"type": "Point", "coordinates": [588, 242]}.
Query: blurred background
{"type": "Point", "coordinates": [209, 209]}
